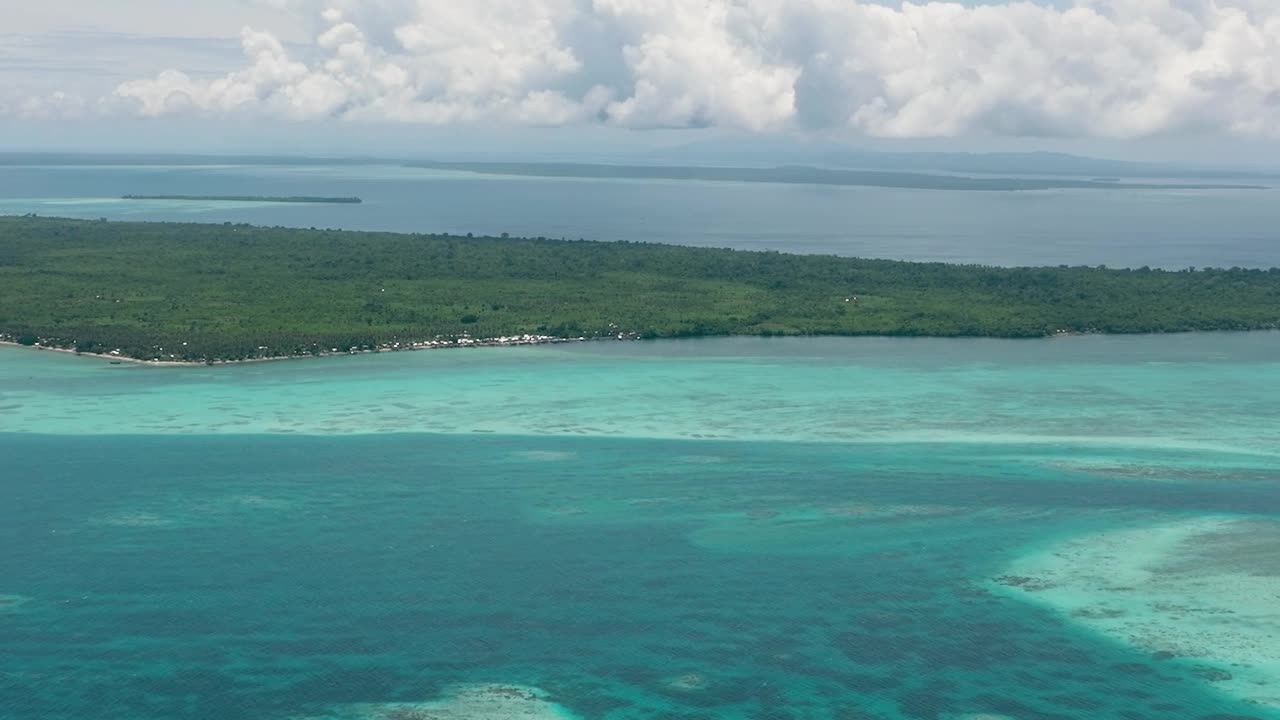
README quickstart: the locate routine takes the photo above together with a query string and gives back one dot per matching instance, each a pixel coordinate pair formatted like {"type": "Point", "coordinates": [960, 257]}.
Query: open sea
{"type": "Point", "coordinates": [722, 529]}
{"type": "Point", "coordinates": [798, 529]}
{"type": "Point", "coordinates": [1172, 229]}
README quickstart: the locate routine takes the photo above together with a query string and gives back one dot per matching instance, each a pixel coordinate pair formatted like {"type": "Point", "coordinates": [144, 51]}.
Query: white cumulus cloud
{"type": "Point", "coordinates": [1102, 68]}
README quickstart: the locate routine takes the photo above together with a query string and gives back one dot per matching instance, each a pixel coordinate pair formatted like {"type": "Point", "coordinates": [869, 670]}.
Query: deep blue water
{"type": "Point", "coordinates": [1173, 229]}
{"type": "Point", "coordinates": [278, 577]}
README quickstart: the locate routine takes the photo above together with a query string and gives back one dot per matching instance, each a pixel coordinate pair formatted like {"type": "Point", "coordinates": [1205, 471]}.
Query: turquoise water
{"type": "Point", "coordinates": [783, 529]}
{"type": "Point", "coordinates": [1159, 228]}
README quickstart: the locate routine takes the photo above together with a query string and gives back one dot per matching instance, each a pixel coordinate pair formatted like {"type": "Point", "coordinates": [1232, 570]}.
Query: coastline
{"type": "Point", "coordinates": [509, 341]}
{"type": "Point", "coordinates": [503, 341]}
{"type": "Point", "coordinates": [113, 358]}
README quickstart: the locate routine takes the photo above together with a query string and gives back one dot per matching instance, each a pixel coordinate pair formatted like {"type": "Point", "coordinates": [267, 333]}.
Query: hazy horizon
{"type": "Point", "coordinates": [692, 148]}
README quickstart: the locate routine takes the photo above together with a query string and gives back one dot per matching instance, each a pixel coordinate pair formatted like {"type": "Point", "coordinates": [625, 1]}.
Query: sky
{"type": "Point", "coordinates": [1141, 79]}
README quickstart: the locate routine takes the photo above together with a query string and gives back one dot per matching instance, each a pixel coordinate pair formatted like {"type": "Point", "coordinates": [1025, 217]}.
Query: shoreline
{"type": "Point", "coordinates": [504, 341]}
{"type": "Point", "coordinates": [530, 340]}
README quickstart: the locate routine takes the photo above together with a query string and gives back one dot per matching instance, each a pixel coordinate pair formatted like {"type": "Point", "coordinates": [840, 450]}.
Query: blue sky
{"type": "Point", "coordinates": [1179, 79]}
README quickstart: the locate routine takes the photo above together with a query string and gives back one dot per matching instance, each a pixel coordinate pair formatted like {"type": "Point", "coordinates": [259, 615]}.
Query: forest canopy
{"type": "Point", "coordinates": [221, 292]}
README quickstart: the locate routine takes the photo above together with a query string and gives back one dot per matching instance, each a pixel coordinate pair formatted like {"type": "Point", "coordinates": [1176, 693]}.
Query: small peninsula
{"type": "Point", "coordinates": [204, 292]}
{"type": "Point", "coordinates": [251, 198]}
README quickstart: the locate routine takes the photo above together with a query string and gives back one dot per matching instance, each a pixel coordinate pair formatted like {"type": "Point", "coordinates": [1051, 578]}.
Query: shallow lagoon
{"type": "Point", "coordinates": [821, 528]}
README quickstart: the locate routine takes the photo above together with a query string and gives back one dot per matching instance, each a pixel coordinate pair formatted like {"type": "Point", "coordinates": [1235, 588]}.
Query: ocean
{"type": "Point", "coordinates": [783, 529]}
{"type": "Point", "coordinates": [1172, 229]}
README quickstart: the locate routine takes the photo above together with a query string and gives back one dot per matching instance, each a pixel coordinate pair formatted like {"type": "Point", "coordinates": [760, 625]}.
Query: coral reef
{"type": "Point", "coordinates": [470, 702]}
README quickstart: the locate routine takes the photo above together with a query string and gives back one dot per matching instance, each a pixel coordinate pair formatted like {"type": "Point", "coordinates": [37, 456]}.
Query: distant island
{"type": "Point", "coordinates": [205, 293]}
{"type": "Point", "coordinates": [729, 151]}
{"type": "Point", "coordinates": [250, 198]}
{"type": "Point", "coordinates": [805, 175]}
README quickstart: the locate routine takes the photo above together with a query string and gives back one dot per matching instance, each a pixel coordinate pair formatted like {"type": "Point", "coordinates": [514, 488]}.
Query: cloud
{"type": "Point", "coordinates": [1099, 68]}
{"type": "Point", "coordinates": [55, 105]}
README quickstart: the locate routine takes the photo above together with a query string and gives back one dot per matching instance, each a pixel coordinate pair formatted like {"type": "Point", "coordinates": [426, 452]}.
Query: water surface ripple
{"type": "Point", "coordinates": [741, 528]}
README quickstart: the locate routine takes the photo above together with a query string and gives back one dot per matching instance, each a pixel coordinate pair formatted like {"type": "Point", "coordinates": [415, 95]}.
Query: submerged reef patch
{"type": "Point", "coordinates": [196, 508]}
{"type": "Point", "coordinates": [687, 682]}
{"type": "Point", "coordinates": [1201, 593]}
{"type": "Point", "coordinates": [1169, 472]}
{"type": "Point", "coordinates": [11, 603]}
{"type": "Point", "coordinates": [545, 455]}
{"type": "Point", "coordinates": [469, 702]}
{"type": "Point", "coordinates": [257, 501]}
{"type": "Point", "coordinates": [135, 519]}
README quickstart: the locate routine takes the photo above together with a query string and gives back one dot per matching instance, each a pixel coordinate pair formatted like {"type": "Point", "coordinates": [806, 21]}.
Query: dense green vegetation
{"type": "Point", "coordinates": [235, 291]}
{"type": "Point", "coordinates": [251, 198]}
{"type": "Point", "coordinates": [805, 175]}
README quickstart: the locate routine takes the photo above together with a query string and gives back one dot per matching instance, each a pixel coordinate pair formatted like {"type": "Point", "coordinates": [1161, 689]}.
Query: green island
{"type": "Point", "coordinates": [204, 293]}
{"type": "Point", "coordinates": [251, 198]}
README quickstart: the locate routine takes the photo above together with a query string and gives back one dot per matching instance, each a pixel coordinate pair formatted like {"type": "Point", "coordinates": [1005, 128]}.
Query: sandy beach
{"type": "Point", "coordinates": [112, 358]}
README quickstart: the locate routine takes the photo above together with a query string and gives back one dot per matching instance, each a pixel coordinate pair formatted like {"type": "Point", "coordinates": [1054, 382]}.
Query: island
{"type": "Point", "coordinates": [222, 292]}
{"type": "Point", "coordinates": [807, 175]}
{"type": "Point", "coordinates": [250, 198]}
